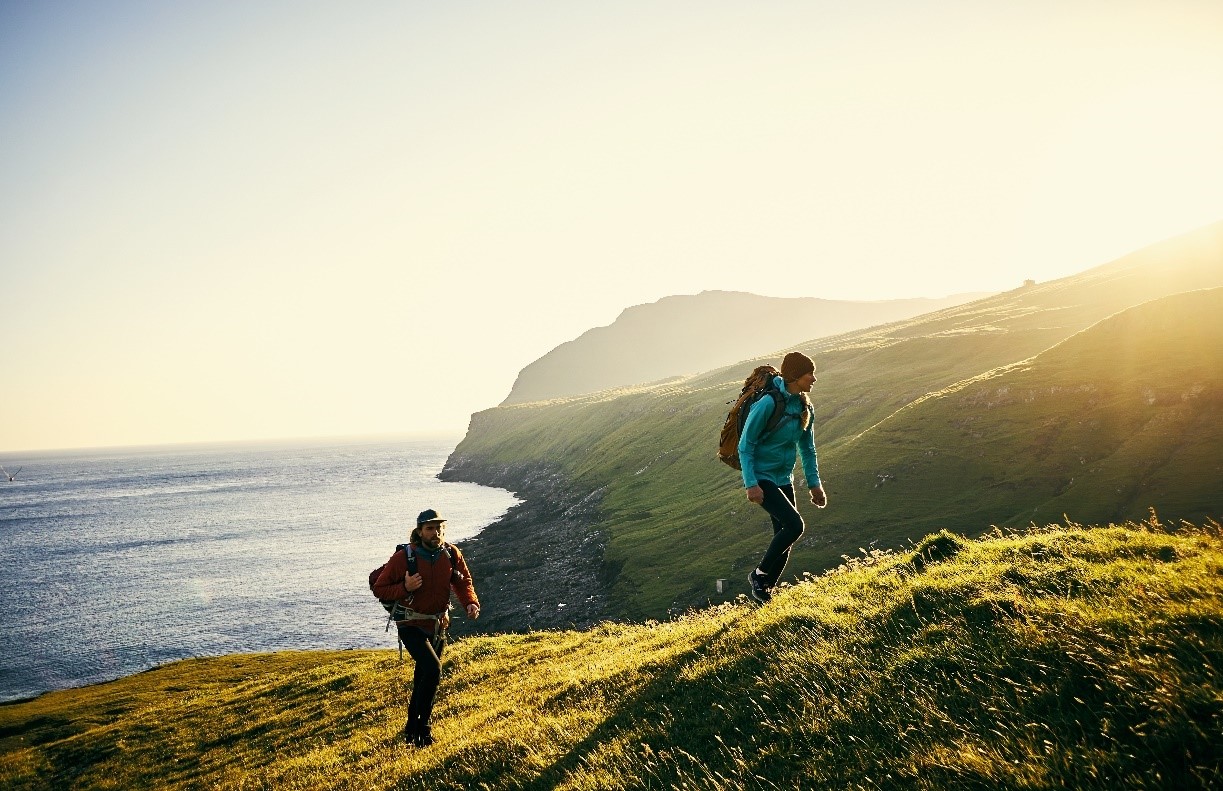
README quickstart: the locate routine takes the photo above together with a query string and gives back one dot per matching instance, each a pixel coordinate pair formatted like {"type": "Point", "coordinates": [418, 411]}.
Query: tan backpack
{"type": "Point", "coordinates": [757, 385]}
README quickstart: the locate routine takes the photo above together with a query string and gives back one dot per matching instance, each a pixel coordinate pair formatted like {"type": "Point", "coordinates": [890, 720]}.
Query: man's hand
{"type": "Point", "coordinates": [413, 581]}
{"type": "Point", "coordinates": [755, 494]}
{"type": "Point", "coordinates": [473, 611]}
{"type": "Point", "coordinates": [818, 498]}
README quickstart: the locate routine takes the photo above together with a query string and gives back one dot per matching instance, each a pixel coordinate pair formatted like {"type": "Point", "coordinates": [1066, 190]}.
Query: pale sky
{"type": "Point", "coordinates": [240, 220]}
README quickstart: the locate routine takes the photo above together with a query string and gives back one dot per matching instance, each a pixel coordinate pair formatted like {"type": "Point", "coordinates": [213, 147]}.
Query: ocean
{"type": "Point", "coordinates": [116, 561]}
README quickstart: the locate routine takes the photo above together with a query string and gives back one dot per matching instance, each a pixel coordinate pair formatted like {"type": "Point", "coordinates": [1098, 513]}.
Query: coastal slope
{"type": "Point", "coordinates": [898, 408]}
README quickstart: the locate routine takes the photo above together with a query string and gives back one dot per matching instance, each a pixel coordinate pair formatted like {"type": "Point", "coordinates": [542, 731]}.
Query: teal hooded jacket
{"type": "Point", "coordinates": [771, 458]}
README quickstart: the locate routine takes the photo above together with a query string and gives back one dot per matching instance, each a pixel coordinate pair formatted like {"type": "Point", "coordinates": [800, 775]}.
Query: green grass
{"type": "Point", "coordinates": [1064, 657]}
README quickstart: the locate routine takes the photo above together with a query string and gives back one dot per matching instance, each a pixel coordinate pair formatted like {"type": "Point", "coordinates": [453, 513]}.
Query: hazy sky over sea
{"type": "Point", "coordinates": [254, 219]}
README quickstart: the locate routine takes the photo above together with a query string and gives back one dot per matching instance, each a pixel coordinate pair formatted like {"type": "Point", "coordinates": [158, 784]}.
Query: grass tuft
{"type": "Point", "coordinates": [935, 548]}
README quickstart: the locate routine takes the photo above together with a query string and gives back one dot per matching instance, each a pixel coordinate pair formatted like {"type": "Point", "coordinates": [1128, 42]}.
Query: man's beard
{"type": "Point", "coordinates": [433, 543]}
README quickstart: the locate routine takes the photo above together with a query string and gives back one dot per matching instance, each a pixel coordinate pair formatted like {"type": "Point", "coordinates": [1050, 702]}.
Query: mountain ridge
{"type": "Point", "coordinates": [671, 338]}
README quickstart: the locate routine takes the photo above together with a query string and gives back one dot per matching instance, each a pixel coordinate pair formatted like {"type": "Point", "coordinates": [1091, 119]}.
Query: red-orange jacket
{"type": "Point", "coordinates": [433, 596]}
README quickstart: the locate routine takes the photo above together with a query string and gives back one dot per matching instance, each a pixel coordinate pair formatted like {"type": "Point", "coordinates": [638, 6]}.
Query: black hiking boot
{"type": "Point", "coordinates": [411, 732]}
{"type": "Point", "coordinates": [760, 587]}
{"type": "Point", "coordinates": [424, 736]}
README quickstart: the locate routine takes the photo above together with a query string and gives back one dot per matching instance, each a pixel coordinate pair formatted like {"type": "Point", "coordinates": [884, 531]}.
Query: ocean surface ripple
{"type": "Point", "coordinates": [116, 561]}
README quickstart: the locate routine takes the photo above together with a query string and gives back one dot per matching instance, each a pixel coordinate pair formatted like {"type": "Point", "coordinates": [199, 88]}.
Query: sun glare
{"type": "Point", "coordinates": [1136, 163]}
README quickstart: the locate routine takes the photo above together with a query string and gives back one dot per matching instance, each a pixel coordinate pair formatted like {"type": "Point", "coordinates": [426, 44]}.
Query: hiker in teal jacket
{"type": "Point", "coordinates": [767, 459]}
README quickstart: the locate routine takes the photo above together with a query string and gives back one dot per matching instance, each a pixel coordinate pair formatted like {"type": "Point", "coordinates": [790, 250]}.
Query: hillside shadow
{"type": "Point", "coordinates": [670, 724]}
{"type": "Point", "coordinates": [797, 700]}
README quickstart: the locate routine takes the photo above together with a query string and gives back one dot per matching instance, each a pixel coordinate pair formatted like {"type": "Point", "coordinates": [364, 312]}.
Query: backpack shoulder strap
{"type": "Point", "coordinates": [407, 550]}
{"type": "Point", "coordinates": [779, 410]}
{"type": "Point", "coordinates": [451, 552]}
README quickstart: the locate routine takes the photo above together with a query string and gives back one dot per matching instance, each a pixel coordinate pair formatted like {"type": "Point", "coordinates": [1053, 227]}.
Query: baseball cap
{"type": "Point", "coordinates": [429, 515]}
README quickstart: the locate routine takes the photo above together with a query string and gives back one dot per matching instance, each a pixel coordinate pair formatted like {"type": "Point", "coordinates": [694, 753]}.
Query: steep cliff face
{"type": "Point", "coordinates": [541, 565]}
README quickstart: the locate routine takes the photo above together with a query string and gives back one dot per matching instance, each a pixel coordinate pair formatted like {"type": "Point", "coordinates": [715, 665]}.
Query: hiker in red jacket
{"type": "Point", "coordinates": [421, 584]}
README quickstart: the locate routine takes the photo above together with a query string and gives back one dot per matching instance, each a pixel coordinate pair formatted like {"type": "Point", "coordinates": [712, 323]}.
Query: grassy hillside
{"type": "Point", "coordinates": [1054, 658]}
{"type": "Point", "coordinates": [1125, 415]}
{"type": "Point", "coordinates": [1095, 417]}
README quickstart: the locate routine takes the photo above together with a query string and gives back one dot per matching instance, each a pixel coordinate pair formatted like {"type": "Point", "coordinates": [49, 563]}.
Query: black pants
{"type": "Point", "coordinates": [787, 527]}
{"type": "Point", "coordinates": [427, 653]}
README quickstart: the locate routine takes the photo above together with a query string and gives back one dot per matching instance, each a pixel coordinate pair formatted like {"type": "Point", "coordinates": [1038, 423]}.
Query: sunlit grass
{"type": "Point", "coordinates": [1061, 657]}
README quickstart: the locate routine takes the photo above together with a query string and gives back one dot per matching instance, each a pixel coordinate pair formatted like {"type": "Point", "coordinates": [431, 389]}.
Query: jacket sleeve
{"type": "Point", "coordinates": [806, 450]}
{"type": "Point", "coordinates": [389, 585]}
{"type": "Point", "coordinates": [757, 418]}
{"type": "Point", "coordinates": [465, 590]}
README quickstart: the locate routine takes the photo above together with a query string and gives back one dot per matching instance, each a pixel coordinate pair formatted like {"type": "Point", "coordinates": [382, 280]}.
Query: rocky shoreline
{"type": "Point", "coordinates": [540, 566]}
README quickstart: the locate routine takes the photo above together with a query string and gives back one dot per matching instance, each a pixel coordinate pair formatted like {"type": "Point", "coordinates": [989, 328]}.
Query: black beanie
{"type": "Point", "coordinates": [794, 365]}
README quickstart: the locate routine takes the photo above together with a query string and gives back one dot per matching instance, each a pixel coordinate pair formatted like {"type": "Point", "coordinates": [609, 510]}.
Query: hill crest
{"type": "Point", "coordinates": [1061, 657]}
{"type": "Point", "coordinates": [685, 334]}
